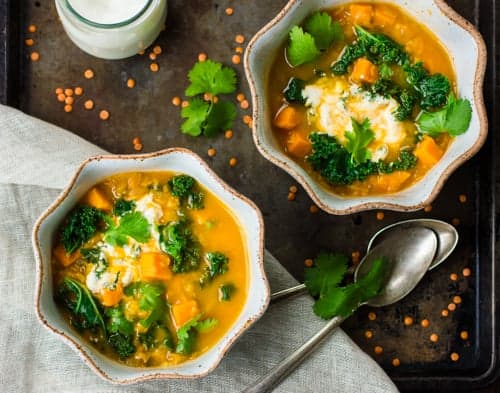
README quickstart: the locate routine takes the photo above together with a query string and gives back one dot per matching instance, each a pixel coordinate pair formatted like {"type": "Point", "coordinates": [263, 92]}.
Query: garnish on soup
{"type": "Point", "coordinates": [151, 268]}
{"type": "Point", "coordinates": [365, 99]}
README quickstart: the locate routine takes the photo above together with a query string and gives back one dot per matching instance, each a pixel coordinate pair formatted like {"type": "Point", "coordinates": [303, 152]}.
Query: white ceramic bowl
{"type": "Point", "coordinates": [95, 170]}
{"type": "Point", "coordinates": [468, 53]}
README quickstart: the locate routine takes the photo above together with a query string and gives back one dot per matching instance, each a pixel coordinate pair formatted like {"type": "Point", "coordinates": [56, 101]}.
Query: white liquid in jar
{"type": "Point", "coordinates": [108, 11]}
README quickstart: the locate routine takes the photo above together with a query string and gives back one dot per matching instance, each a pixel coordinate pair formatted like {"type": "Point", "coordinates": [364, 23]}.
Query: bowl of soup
{"type": "Point", "coordinates": [150, 266]}
{"type": "Point", "coordinates": [368, 104]}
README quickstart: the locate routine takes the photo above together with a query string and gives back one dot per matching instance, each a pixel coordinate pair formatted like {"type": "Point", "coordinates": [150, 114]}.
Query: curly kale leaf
{"type": "Point", "coordinates": [178, 241]}
{"type": "Point", "coordinates": [80, 226]}
{"type": "Point", "coordinates": [217, 265]}
{"type": "Point", "coordinates": [293, 91]}
{"type": "Point", "coordinates": [184, 187]}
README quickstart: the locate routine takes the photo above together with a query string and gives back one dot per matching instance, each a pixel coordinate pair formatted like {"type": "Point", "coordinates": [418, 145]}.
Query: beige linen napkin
{"type": "Point", "coordinates": [37, 160]}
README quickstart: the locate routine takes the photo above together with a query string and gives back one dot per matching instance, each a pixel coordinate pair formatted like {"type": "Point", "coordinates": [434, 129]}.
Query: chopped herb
{"type": "Point", "coordinates": [121, 344]}
{"type": "Point", "coordinates": [177, 240]}
{"type": "Point", "coordinates": [132, 225]}
{"type": "Point", "coordinates": [226, 292]}
{"type": "Point", "coordinates": [302, 48]}
{"type": "Point", "coordinates": [207, 118]}
{"type": "Point", "coordinates": [157, 336]}
{"type": "Point", "coordinates": [184, 187]}
{"type": "Point", "coordinates": [122, 207]}
{"type": "Point", "coordinates": [217, 265]}
{"type": "Point", "coordinates": [323, 29]}
{"type": "Point", "coordinates": [151, 298]}
{"type": "Point", "coordinates": [358, 140]}
{"type": "Point", "coordinates": [97, 257]}
{"type": "Point", "coordinates": [293, 91]}
{"type": "Point", "coordinates": [211, 77]}
{"type": "Point", "coordinates": [187, 334]}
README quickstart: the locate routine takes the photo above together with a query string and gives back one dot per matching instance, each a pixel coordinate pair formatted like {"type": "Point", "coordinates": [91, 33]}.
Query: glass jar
{"type": "Point", "coordinates": [112, 29]}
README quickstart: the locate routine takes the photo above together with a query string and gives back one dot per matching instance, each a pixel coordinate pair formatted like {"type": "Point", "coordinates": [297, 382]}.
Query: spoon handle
{"type": "Point", "coordinates": [283, 294]}
{"type": "Point", "coordinates": [279, 372]}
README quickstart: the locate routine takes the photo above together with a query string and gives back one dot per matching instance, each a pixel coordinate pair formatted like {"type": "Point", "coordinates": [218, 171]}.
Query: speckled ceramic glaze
{"type": "Point", "coordinates": [468, 53]}
{"type": "Point", "coordinates": [95, 170]}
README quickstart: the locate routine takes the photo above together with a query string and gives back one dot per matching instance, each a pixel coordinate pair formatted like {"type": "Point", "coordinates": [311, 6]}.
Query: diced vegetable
{"type": "Point", "coordinates": [287, 118]}
{"type": "Point", "coordinates": [390, 182]}
{"type": "Point", "coordinates": [63, 257]}
{"type": "Point", "coordinates": [155, 266]}
{"type": "Point", "coordinates": [361, 14]}
{"type": "Point", "coordinates": [428, 151]}
{"type": "Point", "coordinates": [383, 17]}
{"type": "Point", "coordinates": [298, 145]}
{"type": "Point", "coordinates": [96, 198]}
{"type": "Point", "coordinates": [110, 297]}
{"type": "Point", "coordinates": [185, 311]}
{"type": "Point", "coordinates": [364, 71]}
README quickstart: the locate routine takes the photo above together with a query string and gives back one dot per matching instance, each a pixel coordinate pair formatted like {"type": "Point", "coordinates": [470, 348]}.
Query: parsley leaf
{"type": "Point", "coordinates": [358, 139]}
{"type": "Point", "coordinates": [302, 47]}
{"type": "Point", "coordinates": [323, 30]}
{"type": "Point", "coordinates": [211, 77]}
{"type": "Point", "coordinates": [207, 118]}
{"type": "Point", "coordinates": [132, 225]}
{"type": "Point", "coordinates": [454, 118]}
{"type": "Point", "coordinates": [328, 271]}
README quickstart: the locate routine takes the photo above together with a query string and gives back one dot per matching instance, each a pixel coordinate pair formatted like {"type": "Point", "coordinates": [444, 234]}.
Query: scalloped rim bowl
{"type": "Point", "coordinates": [468, 52]}
{"type": "Point", "coordinates": [97, 168]}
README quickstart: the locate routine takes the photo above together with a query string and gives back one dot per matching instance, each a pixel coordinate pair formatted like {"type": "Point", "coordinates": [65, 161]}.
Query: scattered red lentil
{"type": "Point", "coordinates": [247, 119]}
{"type": "Point", "coordinates": [455, 222]}
{"type": "Point", "coordinates": [211, 152]}
{"type": "Point", "coordinates": [238, 49]}
{"type": "Point", "coordinates": [68, 92]}
{"type": "Point", "coordinates": [154, 67]}
{"type": "Point", "coordinates": [452, 306]}
{"type": "Point", "coordinates": [466, 272]}
{"type": "Point", "coordinates": [378, 350]}
{"type": "Point", "coordinates": [89, 104]}
{"type": "Point", "coordinates": [185, 104]}
{"type": "Point", "coordinates": [78, 91]}
{"type": "Point", "coordinates": [244, 104]}
{"type": "Point", "coordinates": [355, 257]}
{"type": "Point", "coordinates": [31, 28]}
{"type": "Point", "coordinates": [69, 100]}
{"type": "Point", "coordinates": [233, 161]}
{"type": "Point", "coordinates": [453, 276]}
{"type": "Point", "coordinates": [136, 140]}
{"type": "Point", "coordinates": [372, 316]}
{"type": "Point", "coordinates": [464, 335]}
{"type": "Point", "coordinates": [368, 334]}
{"type": "Point", "coordinates": [104, 115]}
{"type": "Point", "coordinates": [228, 134]}
{"type": "Point", "coordinates": [428, 208]}
{"type": "Point", "coordinates": [445, 313]}
{"type": "Point", "coordinates": [434, 337]}
{"type": "Point", "coordinates": [68, 108]}
{"type": "Point", "coordinates": [236, 59]}
{"type": "Point", "coordinates": [313, 209]}
{"type": "Point", "coordinates": [240, 97]}
{"type": "Point", "coordinates": [454, 356]}
{"type": "Point", "coordinates": [152, 56]}
{"type": "Point", "coordinates": [138, 146]}
{"type": "Point", "coordinates": [130, 83]}
{"type": "Point", "coordinates": [462, 198]}
{"type": "Point", "coordinates": [88, 74]}
{"type": "Point", "coordinates": [380, 216]}
{"type": "Point", "coordinates": [202, 57]}
{"type": "Point", "coordinates": [308, 262]}
{"type": "Point", "coordinates": [61, 97]}
{"type": "Point", "coordinates": [239, 39]}
{"type": "Point", "coordinates": [157, 50]}
{"type": "Point", "coordinates": [457, 299]}
{"type": "Point", "coordinates": [291, 196]}
{"type": "Point", "coordinates": [35, 56]}
{"type": "Point", "coordinates": [59, 90]}
{"type": "Point", "coordinates": [229, 11]}
{"type": "Point", "coordinates": [425, 323]}
{"type": "Point", "coordinates": [396, 362]}
{"type": "Point", "coordinates": [408, 321]}
{"type": "Point", "coordinates": [293, 189]}
{"type": "Point", "coordinates": [176, 101]}
{"type": "Point", "coordinates": [29, 42]}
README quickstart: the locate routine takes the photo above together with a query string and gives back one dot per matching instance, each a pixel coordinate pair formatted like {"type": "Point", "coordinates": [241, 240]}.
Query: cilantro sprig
{"type": "Point", "coordinates": [323, 282]}
{"type": "Point", "coordinates": [209, 117]}
{"type": "Point", "coordinates": [187, 334]}
{"type": "Point", "coordinates": [358, 140]}
{"type": "Point", "coordinates": [132, 224]}
{"type": "Point", "coordinates": [308, 42]}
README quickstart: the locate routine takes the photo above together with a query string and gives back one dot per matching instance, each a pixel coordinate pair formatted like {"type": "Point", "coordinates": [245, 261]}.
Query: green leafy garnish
{"type": "Point", "coordinates": [122, 207]}
{"type": "Point", "coordinates": [85, 314]}
{"type": "Point", "coordinates": [454, 118]}
{"type": "Point", "coordinates": [95, 256]}
{"type": "Point", "coordinates": [184, 187]}
{"type": "Point", "coordinates": [151, 298]}
{"type": "Point", "coordinates": [217, 265]}
{"type": "Point", "coordinates": [226, 291]}
{"type": "Point", "coordinates": [187, 334]}
{"type": "Point", "coordinates": [207, 118]}
{"type": "Point", "coordinates": [178, 241]}
{"type": "Point", "coordinates": [324, 278]}
{"type": "Point", "coordinates": [323, 29]}
{"type": "Point", "coordinates": [132, 225]}
{"type": "Point", "coordinates": [211, 77]}
{"type": "Point", "coordinates": [432, 90]}
{"type": "Point", "coordinates": [293, 91]}
{"type": "Point", "coordinates": [302, 48]}
{"type": "Point", "coordinates": [157, 336]}
{"type": "Point", "coordinates": [80, 226]}
{"type": "Point", "coordinates": [358, 140]}
{"type": "Point", "coordinates": [121, 344]}
{"type": "Point", "coordinates": [117, 322]}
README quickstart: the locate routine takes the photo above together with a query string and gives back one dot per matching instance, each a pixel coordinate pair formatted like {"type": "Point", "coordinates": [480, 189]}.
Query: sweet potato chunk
{"type": "Point", "coordinates": [383, 17]}
{"type": "Point", "coordinates": [155, 266]}
{"type": "Point", "coordinates": [391, 182]}
{"type": "Point", "coordinates": [96, 198]}
{"type": "Point", "coordinates": [63, 257]}
{"type": "Point", "coordinates": [361, 14]}
{"type": "Point", "coordinates": [287, 118]}
{"type": "Point", "coordinates": [298, 145]}
{"type": "Point", "coordinates": [428, 152]}
{"type": "Point", "coordinates": [110, 297]}
{"type": "Point", "coordinates": [184, 311]}
{"type": "Point", "coordinates": [364, 71]}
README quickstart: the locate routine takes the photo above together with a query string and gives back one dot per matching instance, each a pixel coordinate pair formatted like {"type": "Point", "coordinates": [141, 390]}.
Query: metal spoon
{"type": "Point", "coordinates": [447, 240]}
{"type": "Point", "coordinates": [410, 252]}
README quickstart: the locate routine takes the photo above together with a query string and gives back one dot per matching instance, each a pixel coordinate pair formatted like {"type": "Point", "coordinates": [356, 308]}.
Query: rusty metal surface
{"type": "Point", "coordinates": [292, 232]}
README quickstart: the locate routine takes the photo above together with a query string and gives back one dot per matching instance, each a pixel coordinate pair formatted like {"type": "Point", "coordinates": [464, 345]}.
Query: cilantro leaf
{"type": "Point", "coordinates": [323, 30]}
{"type": "Point", "coordinates": [302, 47]}
{"type": "Point", "coordinates": [337, 301]}
{"type": "Point", "coordinates": [220, 118]}
{"type": "Point", "coordinates": [371, 283]}
{"type": "Point", "coordinates": [195, 114]}
{"type": "Point", "coordinates": [358, 139]}
{"type": "Point", "coordinates": [151, 298]}
{"type": "Point", "coordinates": [187, 334]}
{"type": "Point", "coordinates": [132, 225]}
{"type": "Point", "coordinates": [454, 118]}
{"type": "Point", "coordinates": [211, 77]}
{"type": "Point", "coordinates": [328, 271]}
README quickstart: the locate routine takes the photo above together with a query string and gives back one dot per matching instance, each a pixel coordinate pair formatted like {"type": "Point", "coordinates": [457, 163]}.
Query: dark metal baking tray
{"type": "Point", "coordinates": [293, 233]}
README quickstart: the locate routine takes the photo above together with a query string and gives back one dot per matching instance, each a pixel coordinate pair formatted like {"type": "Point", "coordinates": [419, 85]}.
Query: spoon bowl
{"type": "Point", "coordinates": [446, 234]}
